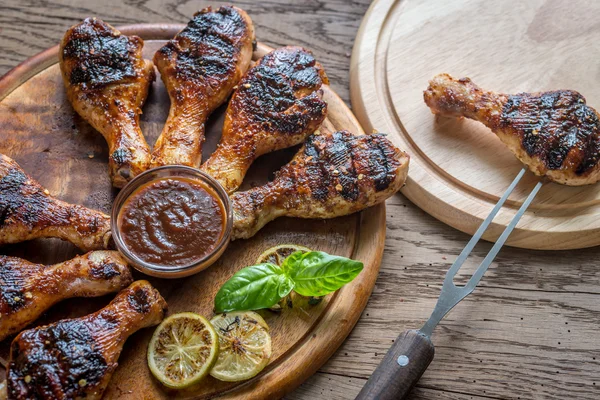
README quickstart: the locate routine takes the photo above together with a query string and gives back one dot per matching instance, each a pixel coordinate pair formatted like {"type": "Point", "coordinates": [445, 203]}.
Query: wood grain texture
{"type": "Point", "coordinates": [502, 342]}
{"type": "Point", "coordinates": [459, 168]}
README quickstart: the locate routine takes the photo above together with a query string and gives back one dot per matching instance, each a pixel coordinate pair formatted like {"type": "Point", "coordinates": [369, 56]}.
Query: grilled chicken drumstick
{"type": "Point", "coordinates": [200, 67]}
{"type": "Point", "coordinates": [276, 105]}
{"type": "Point", "coordinates": [333, 174]}
{"type": "Point", "coordinates": [107, 83]}
{"type": "Point", "coordinates": [27, 211]}
{"type": "Point", "coordinates": [555, 134]}
{"type": "Point", "coordinates": [27, 290]}
{"type": "Point", "coordinates": [75, 358]}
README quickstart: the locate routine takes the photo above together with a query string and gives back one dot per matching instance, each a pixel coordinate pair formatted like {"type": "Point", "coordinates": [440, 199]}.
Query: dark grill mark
{"type": "Point", "coordinates": [208, 46]}
{"type": "Point", "coordinates": [14, 298]}
{"type": "Point", "coordinates": [139, 300]}
{"type": "Point", "coordinates": [211, 56]}
{"type": "Point", "coordinates": [269, 90]}
{"type": "Point", "coordinates": [110, 320]}
{"type": "Point", "coordinates": [382, 174]}
{"type": "Point", "coordinates": [316, 172]}
{"type": "Point", "coordinates": [105, 271]}
{"type": "Point", "coordinates": [555, 127]}
{"type": "Point", "coordinates": [330, 160]}
{"type": "Point", "coordinates": [56, 358]}
{"type": "Point", "coordinates": [17, 207]}
{"type": "Point", "coordinates": [191, 67]}
{"type": "Point", "coordinates": [340, 156]}
{"type": "Point", "coordinates": [225, 22]}
{"type": "Point", "coordinates": [12, 285]}
{"type": "Point", "coordinates": [98, 55]}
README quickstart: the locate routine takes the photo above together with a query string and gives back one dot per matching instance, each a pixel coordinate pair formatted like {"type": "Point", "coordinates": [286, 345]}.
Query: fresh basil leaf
{"type": "Point", "coordinates": [316, 273]}
{"type": "Point", "coordinates": [253, 288]}
{"type": "Point", "coordinates": [293, 260]}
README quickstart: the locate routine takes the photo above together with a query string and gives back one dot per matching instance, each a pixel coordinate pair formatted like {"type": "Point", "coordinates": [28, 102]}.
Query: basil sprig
{"type": "Point", "coordinates": [314, 273]}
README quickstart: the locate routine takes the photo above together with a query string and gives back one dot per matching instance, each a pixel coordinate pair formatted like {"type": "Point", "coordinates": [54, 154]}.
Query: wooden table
{"type": "Point", "coordinates": [530, 331]}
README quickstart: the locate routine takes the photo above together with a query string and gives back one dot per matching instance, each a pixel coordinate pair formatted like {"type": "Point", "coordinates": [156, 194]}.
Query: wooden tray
{"type": "Point", "coordinates": [459, 169]}
{"type": "Point", "coordinates": [39, 129]}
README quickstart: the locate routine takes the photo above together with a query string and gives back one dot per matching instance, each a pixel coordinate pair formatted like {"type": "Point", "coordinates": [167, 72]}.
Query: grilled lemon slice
{"type": "Point", "coordinates": [182, 350]}
{"type": "Point", "coordinates": [276, 254]}
{"type": "Point", "coordinates": [245, 345]}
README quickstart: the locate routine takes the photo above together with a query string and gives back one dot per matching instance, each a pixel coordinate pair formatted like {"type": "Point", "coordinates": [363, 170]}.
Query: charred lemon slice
{"type": "Point", "coordinates": [276, 255]}
{"type": "Point", "coordinates": [245, 346]}
{"type": "Point", "coordinates": [182, 350]}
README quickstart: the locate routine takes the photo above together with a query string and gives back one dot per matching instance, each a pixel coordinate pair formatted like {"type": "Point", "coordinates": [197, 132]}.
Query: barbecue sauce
{"type": "Point", "coordinates": [172, 222]}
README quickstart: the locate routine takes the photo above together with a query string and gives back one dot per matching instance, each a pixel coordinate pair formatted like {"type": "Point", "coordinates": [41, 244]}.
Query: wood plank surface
{"type": "Point", "coordinates": [530, 331]}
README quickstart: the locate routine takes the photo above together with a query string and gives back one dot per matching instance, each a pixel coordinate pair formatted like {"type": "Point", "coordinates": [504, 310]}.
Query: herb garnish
{"type": "Point", "coordinates": [314, 273]}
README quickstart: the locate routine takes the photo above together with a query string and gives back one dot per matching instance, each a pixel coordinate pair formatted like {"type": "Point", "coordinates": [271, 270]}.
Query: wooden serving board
{"type": "Point", "coordinates": [459, 168]}
{"type": "Point", "coordinates": [40, 130]}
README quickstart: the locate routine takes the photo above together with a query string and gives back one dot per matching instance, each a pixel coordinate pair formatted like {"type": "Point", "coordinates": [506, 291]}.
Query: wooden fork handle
{"type": "Point", "coordinates": [401, 368]}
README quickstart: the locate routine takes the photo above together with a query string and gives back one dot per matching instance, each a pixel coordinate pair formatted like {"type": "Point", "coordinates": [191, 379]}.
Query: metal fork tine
{"type": "Point", "coordinates": [482, 228]}
{"type": "Point", "coordinates": [500, 242]}
{"type": "Point", "coordinates": [452, 294]}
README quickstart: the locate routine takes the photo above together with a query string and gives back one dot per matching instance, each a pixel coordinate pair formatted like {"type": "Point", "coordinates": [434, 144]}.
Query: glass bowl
{"type": "Point", "coordinates": [174, 271]}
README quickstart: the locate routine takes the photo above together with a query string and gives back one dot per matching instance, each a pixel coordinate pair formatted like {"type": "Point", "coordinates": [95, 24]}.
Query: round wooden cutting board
{"type": "Point", "coordinates": [40, 130]}
{"type": "Point", "coordinates": [459, 168]}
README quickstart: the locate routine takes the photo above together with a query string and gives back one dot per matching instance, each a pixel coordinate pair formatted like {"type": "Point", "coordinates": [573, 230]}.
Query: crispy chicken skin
{"type": "Point", "coordinates": [200, 68]}
{"type": "Point", "coordinates": [75, 358]}
{"type": "Point", "coordinates": [27, 289]}
{"type": "Point", "coordinates": [27, 211]}
{"type": "Point", "coordinates": [107, 82]}
{"type": "Point", "coordinates": [276, 105]}
{"type": "Point", "coordinates": [555, 134]}
{"type": "Point", "coordinates": [333, 174]}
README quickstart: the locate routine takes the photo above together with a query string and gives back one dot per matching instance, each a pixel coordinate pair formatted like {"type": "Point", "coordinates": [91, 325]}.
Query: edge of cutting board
{"type": "Point", "coordinates": [432, 189]}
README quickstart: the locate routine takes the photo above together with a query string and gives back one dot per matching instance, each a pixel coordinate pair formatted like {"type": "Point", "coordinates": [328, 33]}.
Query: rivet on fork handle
{"type": "Point", "coordinates": [401, 368]}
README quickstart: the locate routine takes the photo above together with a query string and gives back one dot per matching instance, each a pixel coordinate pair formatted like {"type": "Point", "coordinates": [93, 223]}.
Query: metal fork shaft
{"type": "Point", "coordinates": [451, 294]}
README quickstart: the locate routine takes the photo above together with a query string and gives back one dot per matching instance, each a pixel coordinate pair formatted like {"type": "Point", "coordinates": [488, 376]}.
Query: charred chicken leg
{"type": "Point", "coordinates": [200, 67]}
{"type": "Point", "coordinates": [27, 290]}
{"type": "Point", "coordinates": [277, 105]}
{"type": "Point", "coordinates": [75, 358]}
{"type": "Point", "coordinates": [107, 83]}
{"type": "Point", "coordinates": [27, 211]}
{"type": "Point", "coordinates": [333, 174]}
{"type": "Point", "coordinates": [555, 134]}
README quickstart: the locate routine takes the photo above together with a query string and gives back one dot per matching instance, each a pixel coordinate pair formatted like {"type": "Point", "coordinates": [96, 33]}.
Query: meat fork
{"type": "Point", "coordinates": [410, 355]}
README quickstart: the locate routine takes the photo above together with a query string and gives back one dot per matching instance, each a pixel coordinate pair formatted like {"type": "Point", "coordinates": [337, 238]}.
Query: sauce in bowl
{"type": "Point", "coordinates": [175, 221]}
{"type": "Point", "coordinates": [172, 223]}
